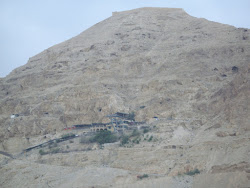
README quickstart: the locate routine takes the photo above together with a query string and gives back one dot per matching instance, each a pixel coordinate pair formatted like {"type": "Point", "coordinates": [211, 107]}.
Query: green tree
{"type": "Point", "coordinates": [125, 140]}
{"type": "Point", "coordinates": [104, 137]}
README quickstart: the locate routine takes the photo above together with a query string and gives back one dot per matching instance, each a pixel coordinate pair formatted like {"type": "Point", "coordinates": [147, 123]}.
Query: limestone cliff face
{"type": "Point", "coordinates": [175, 65]}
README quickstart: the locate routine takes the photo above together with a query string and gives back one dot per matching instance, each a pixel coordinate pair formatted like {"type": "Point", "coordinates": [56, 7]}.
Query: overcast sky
{"type": "Point", "coordinates": [28, 27]}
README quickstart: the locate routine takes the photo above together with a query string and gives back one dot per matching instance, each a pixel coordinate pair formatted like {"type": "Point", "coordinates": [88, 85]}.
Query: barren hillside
{"type": "Point", "coordinates": [192, 74]}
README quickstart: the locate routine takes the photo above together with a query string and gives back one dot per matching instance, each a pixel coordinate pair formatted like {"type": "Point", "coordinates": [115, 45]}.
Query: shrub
{"type": "Point", "coordinates": [143, 176]}
{"type": "Point", "coordinates": [125, 140]}
{"type": "Point", "coordinates": [235, 69]}
{"type": "Point", "coordinates": [193, 172]}
{"type": "Point", "coordinates": [104, 137]}
{"type": "Point", "coordinates": [150, 139]}
{"type": "Point", "coordinates": [145, 131]}
{"type": "Point", "coordinates": [136, 140]}
{"type": "Point", "coordinates": [41, 152]}
{"type": "Point", "coordinates": [64, 136]}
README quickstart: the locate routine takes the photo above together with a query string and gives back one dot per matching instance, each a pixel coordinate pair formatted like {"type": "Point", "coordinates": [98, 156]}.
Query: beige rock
{"type": "Point", "coordinates": [193, 74]}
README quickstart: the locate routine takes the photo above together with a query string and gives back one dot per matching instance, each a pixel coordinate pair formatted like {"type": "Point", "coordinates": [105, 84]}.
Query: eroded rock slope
{"type": "Point", "coordinates": [193, 74]}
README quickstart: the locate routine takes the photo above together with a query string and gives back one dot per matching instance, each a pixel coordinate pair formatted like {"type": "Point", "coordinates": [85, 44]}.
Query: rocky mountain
{"type": "Point", "coordinates": [190, 73]}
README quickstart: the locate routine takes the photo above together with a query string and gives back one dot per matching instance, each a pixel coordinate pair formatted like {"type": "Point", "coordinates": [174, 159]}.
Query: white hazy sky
{"type": "Point", "coordinates": [28, 27]}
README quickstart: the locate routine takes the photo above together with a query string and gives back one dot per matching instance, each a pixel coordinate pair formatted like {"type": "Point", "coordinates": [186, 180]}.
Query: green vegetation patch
{"type": "Point", "coordinates": [69, 135]}
{"type": "Point", "coordinates": [142, 176]}
{"type": "Point", "coordinates": [41, 152]}
{"type": "Point", "coordinates": [51, 151]}
{"type": "Point", "coordinates": [104, 137]}
{"type": "Point", "coordinates": [124, 140]}
{"type": "Point", "coordinates": [150, 139]}
{"type": "Point", "coordinates": [193, 172]}
{"type": "Point", "coordinates": [145, 131]}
